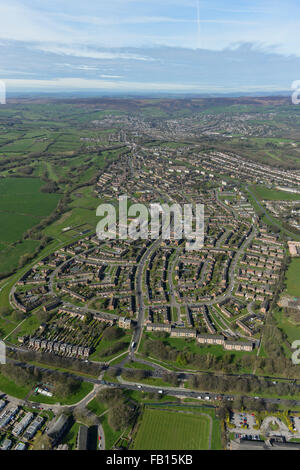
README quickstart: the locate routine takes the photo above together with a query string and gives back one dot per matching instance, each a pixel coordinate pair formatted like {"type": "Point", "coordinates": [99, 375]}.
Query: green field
{"type": "Point", "coordinates": [22, 206]}
{"type": "Point", "coordinates": [96, 407]}
{"type": "Point", "coordinates": [293, 278]}
{"type": "Point", "coordinates": [165, 430]}
{"type": "Point", "coordinates": [9, 387]}
{"type": "Point", "coordinates": [263, 193]}
{"type": "Point", "coordinates": [22, 196]}
{"type": "Point", "coordinates": [75, 397]}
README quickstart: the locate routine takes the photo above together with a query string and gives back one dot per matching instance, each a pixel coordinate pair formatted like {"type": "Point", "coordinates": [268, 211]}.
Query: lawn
{"type": "Point", "coordinates": [96, 407]}
{"type": "Point", "coordinates": [165, 430]}
{"type": "Point", "coordinates": [111, 436]}
{"type": "Point", "coordinates": [191, 346]}
{"type": "Point", "coordinates": [75, 397]}
{"type": "Point", "coordinates": [292, 278]}
{"type": "Point", "coordinates": [28, 327]}
{"type": "Point", "coordinates": [11, 388]}
{"type": "Point", "coordinates": [290, 329]}
{"type": "Point", "coordinates": [105, 344]}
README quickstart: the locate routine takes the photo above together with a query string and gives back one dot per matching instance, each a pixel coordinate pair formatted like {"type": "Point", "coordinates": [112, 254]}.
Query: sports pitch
{"type": "Point", "coordinates": [173, 430]}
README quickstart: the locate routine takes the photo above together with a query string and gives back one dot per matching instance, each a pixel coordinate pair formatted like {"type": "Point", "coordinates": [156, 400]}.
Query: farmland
{"type": "Point", "coordinates": [162, 430]}
{"type": "Point", "coordinates": [22, 206]}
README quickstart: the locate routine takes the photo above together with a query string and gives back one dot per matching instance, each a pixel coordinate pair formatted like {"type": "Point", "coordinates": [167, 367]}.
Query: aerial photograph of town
{"type": "Point", "coordinates": [150, 228]}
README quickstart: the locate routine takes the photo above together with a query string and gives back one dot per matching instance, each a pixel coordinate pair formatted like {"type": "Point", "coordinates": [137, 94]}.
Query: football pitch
{"type": "Point", "coordinates": [173, 430]}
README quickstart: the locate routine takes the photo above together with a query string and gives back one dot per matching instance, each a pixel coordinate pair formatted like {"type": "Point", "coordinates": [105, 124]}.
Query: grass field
{"type": "Point", "coordinates": [261, 192]}
{"type": "Point", "coordinates": [96, 407]}
{"type": "Point", "coordinates": [22, 196]}
{"type": "Point", "coordinates": [22, 206]}
{"type": "Point", "coordinates": [11, 388]}
{"type": "Point", "coordinates": [293, 277]}
{"type": "Point", "coordinates": [75, 397]}
{"type": "Point", "coordinates": [165, 430]}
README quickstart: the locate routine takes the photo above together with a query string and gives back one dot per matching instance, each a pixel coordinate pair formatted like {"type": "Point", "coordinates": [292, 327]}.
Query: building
{"type": "Point", "coordinates": [158, 327]}
{"type": "Point", "coordinates": [20, 427]}
{"type": "Point", "coordinates": [58, 428]}
{"type": "Point", "coordinates": [20, 446]}
{"type": "Point", "coordinates": [33, 428]}
{"type": "Point", "coordinates": [8, 415]}
{"type": "Point", "coordinates": [210, 339]}
{"type": "Point", "coordinates": [183, 333]}
{"type": "Point", "coordinates": [125, 323]}
{"type": "Point", "coordinates": [51, 305]}
{"type": "Point", "coordinates": [82, 438]}
{"type": "Point", "coordinates": [6, 444]}
{"type": "Point", "coordinates": [238, 345]}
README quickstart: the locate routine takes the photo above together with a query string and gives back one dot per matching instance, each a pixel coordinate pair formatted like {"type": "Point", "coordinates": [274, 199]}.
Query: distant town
{"type": "Point", "coordinates": [105, 339]}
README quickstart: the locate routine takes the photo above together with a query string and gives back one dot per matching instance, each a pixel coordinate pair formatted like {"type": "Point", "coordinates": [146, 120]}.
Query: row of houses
{"type": "Point", "coordinates": [173, 331]}
{"type": "Point", "coordinates": [7, 416]}
{"type": "Point", "coordinates": [210, 339]}
{"type": "Point", "coordinates": [59, 347]}
{"type": "Point", "coordinates": [20, 427]}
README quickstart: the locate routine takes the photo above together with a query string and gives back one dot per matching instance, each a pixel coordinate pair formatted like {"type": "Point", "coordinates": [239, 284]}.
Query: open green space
{"type": "Point", "coordinates": [111, 436]}
{"type": "Point", "coordinates": [9, 387]}
{"type": "Point", "coordinates": [164, 430]}
{"type": "Point", "coordinates": [293, 278]}
{"type": "Point", "coordinates": [71, 399]}
{"type": "Point", "coordinates": [71, 437]}
{"type": "Point", "coordinates": [263, 193]}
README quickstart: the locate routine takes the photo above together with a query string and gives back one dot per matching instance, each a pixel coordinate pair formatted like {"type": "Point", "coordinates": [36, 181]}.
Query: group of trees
{"type": "Point", "coordinates": [121, 412]}
{"type": "Point", "coordinates": [75, 365]}
{"type": "Point", "coordinates": [50, 187]}
{"type": "Point", "coordinates": [242, 385]}
{"type": "Point", "coordinates": [63, 385]}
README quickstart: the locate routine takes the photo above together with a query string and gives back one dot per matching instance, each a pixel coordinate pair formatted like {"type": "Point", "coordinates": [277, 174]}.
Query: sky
{"type": "Point", "coordinates": [168, 46]}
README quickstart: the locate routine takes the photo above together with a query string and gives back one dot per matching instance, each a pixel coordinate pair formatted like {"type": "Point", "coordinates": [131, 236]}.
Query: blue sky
{"type": "Point", "coordinates": [150, 45]}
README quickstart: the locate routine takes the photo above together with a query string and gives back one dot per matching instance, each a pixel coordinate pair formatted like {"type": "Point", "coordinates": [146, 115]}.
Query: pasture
{"type": "Point", "coordinates": [22, 206]}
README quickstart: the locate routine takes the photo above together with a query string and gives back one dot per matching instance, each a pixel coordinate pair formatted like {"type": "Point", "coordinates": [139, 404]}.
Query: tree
{"type": "Point", "coordinates": [121, 416]}
{"type": "Point", "coordinates": [113, 333]}
{"type": "Point", "coordinates": [109, 396]}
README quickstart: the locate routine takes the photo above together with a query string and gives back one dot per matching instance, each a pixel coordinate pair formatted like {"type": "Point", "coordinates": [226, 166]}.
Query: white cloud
{"type": "Point", "coordinates": [110, 76]}
{"type": "Point", "coordinates": [90, 53]}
